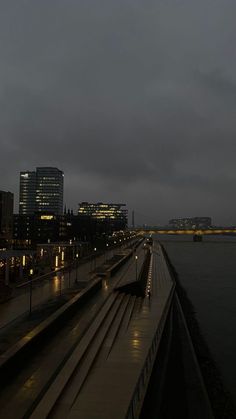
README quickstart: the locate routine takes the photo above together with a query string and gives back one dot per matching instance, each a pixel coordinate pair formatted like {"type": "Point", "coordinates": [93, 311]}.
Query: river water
{"type": "Point", "coordinates": [207, 271]}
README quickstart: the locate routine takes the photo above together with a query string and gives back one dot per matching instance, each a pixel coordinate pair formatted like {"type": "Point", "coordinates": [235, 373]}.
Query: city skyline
{"type": "Point", "coordinates": [137, 216]}
{"type": "Point", "coordinates": [135, 103]}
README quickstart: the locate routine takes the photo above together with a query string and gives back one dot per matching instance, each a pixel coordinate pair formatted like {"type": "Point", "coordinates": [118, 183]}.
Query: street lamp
{"type": "Point", "coordinates": [69, 277]}
{"type": "Point", "coordinates": [136, 266]}
{"type": "Point", "coordinates": [56, 261]}
{"type": "Point", "coordinates": [77, 256]}
{"type": "Point", "coordinates": [31, 289]}
{"type": "Point", "coordinates": [105, 251]}
{"type": "Point", "coordinates": [95, 249]}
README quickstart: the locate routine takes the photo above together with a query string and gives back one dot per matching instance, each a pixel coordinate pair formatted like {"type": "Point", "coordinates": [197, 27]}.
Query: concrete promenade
{"type": "Point", "coordinates": [46, 289]}
{"type": "Point", "coordinates": [107, 374]}
{"type": "Point", "coordinates": [98, 362]}
{"type": "Point", "coordinates": [116, 386]}
{"type": "Point", "coordinates": [17, 397]}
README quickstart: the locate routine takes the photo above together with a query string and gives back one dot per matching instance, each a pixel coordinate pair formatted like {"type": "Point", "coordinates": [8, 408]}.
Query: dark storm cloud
{"type": "Point", "coordinates": [134, 100]}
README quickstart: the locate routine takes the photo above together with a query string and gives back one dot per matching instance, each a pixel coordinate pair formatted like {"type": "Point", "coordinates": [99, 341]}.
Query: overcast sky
{"type": "Point", "coordinates": [134, 100]}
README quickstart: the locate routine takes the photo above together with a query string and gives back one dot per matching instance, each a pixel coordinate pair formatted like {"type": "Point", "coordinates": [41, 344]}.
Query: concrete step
{"type": "Point", "coordinates": [64, 376]}
{"type": "Point", "coordinates": [113, 331]}
{"type": "Point", "coordinates": [127, 316]}
{"type": "Point", "coordinates": [82, 372]}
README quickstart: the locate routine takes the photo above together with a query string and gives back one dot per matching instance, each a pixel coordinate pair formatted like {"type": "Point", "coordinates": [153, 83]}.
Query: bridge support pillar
{"type": "Point", "coordinates": [197, 237]}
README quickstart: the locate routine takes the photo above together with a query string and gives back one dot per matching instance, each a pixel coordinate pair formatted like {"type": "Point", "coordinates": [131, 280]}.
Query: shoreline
{"type": "Point", "coordinates": [221, 400]}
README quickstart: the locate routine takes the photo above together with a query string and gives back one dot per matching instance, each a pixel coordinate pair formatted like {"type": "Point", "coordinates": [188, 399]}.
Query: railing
{"type": "Point", "coordinates": [142, 383]}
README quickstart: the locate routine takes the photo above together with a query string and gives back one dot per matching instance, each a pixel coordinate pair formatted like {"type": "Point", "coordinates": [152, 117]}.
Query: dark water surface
{"type": "Point", "coordinates": [207, 271]}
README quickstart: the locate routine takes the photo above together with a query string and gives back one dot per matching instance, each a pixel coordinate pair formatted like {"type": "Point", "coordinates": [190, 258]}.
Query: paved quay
{"type": "Point", "coordinates": [112, 379]}
{"type": "Point", "coordinates": [18, 396]}
{"type": "Point", "coordinates": [46, 289]}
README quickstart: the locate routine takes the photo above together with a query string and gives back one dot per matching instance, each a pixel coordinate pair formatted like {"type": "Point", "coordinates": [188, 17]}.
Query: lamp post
{"type": "Point", "coordinates": [95, 249]}
{"type": "Point", "coordinates": [77, 256]}
{"type": "Point", "coordinates": [31, 289]}
{"type": "Point", "coordinates": [144, 248]}
{"type": "Point", "coordinates": [60, 275]}
{"type": "Point", "coordinates": [136, 266]}
{"type": "Point", "coordinates": [69, 277]}
{"type": "Point", "coordinates": [106, 248]}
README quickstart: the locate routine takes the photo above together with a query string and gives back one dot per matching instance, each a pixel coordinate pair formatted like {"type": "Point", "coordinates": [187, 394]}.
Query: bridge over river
{"type": "Point", "coordinates": [94, 357]}
{"type": "Point", "coordinates": [196, 233]}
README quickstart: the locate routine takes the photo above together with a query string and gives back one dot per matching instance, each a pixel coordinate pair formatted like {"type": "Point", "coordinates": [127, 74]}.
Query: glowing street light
{"type": "Point", "coordinates": [31, 289]}
{"type": "Point", "coordinates": [56, 261]}
{"type": "Point", "coordinates": [95, 249]}
{"type": "Point", "coordinates": [136, 266]}
{"type": "Point", "coordinates": [77, 257]}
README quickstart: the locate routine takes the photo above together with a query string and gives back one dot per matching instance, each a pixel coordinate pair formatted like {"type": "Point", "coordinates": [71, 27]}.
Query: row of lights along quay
{"type": "Point", "coordinates": [65, 275]}
{"type": "Point", "coordinates": [16, 265]}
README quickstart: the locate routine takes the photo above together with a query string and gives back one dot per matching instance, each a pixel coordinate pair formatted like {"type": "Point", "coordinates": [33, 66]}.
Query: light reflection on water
{"type": "Point", "coordinates": [207, 271]}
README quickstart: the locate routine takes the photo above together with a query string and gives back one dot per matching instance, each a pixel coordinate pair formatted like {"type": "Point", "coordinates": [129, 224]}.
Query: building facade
{"type": "Point", "coordinates": [30, 229]}
{"type": "Point", "coordinates": [49, 190]}
{"type": "Point", "coordinates": [27, 203]}
{"type": "Point", "coordinates": [109, 217]}
{"type": "Point", "coordinates": [41, 191]}
{"type": "Point", "coordinates": [6, 218]}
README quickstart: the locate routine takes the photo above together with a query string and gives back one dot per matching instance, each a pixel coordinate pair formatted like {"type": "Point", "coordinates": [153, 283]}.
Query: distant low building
{"type": "Point", "coordinates": [191, 223]}
{"type": "Point", "coordinates": [108, 216]}
{"type": "Point", "coordinates": [28, 230]}
{"type": "Point", "coordinates": [32, 229]}
{"type": "Point", "coordinates": [93, 222]}
{"type": "Point", "coordinates": [6, 218]}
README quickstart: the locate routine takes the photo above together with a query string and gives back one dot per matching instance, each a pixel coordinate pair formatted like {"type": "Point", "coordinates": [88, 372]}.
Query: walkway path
{"type": "Point", "coordinates": [47, 289]}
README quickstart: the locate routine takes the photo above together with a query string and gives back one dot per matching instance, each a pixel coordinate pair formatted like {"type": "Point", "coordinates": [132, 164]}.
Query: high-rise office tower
{"type": "Point", "coordinates": [41, 191]}
{"type": "Point", "coordinates": [27, 204]}
{"type": "Point", "coordinates": [49, 190]}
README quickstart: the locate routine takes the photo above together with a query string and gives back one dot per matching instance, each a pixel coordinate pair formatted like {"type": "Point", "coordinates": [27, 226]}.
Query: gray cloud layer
{"type": "Point", "coordinates": [134, 100]}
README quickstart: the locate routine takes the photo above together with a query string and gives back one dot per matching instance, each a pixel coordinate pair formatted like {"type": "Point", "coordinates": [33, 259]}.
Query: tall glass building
{"type": "Point", "coordinates": [41, 191]}
{"type": "Point", "coordinates": [49, 190]}
{"type": "Point", "coordinates": [27, 203]}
